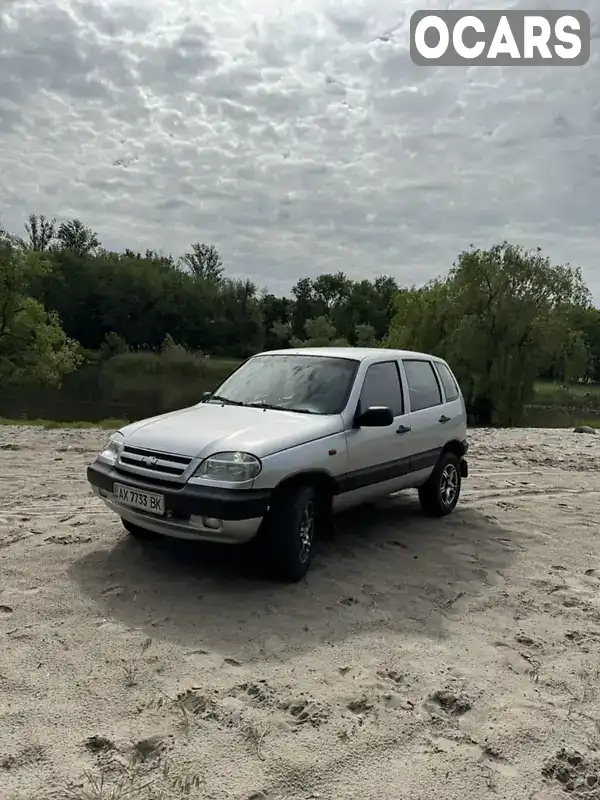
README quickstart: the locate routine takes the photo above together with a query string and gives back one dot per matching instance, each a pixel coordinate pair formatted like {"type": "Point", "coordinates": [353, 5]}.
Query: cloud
{"type": "Point", "coordinates": [298, 137]}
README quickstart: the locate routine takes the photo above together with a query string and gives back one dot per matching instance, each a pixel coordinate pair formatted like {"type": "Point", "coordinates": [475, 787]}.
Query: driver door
{"type": "Point", "coordinates": [378, 458]}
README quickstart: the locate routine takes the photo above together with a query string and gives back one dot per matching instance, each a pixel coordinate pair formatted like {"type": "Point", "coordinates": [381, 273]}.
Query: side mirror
{"type": "Point", "coordinates": [205, 395]}
{"type": "Point", "coordinates": [375, 417]}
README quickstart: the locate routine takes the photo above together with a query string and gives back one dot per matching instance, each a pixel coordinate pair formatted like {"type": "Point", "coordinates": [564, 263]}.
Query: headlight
{"type": "Point", "coordinates": [229, 467]}
{"type": "Point", "coordinates": [112, 448]}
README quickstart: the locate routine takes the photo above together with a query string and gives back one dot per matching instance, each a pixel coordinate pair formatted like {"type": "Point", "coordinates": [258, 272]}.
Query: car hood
{"type": "Point", "coordinates": [209, 428]}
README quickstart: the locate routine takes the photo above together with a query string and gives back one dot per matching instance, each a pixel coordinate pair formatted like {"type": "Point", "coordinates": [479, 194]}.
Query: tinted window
{"type": "Point", "coordinates": [382, 388]}
{"type": "Point", "coordinates": [423, 385]}
{"type": "Point", "coordinates": [448, 382]}
{"type": "Point", "coordinates": [308, 384]}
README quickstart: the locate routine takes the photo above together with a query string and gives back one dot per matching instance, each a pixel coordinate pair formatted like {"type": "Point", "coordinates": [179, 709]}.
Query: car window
{"type": "Point", "coordinates": [382, 388]}
{"type": "Point", "coordinates": [448, 382]}
{"type": "Point", "coordinates": [295, 382]}
{"type": "Point", "coordinates": [423, 385]}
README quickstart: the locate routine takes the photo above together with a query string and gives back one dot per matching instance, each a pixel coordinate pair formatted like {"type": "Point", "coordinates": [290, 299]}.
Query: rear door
{"type": "Point", "coordinates": [378, 458]}
{"type": "Point", "coordinates": [454, 408]}
{"type": "Point", "coordinates": [426, 415]}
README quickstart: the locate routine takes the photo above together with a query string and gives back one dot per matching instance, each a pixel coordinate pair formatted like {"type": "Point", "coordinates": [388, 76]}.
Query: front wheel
{"type": "Point", "coordinates": [439, 495]}
{"type": "Point", "coordinates": [286, 541]}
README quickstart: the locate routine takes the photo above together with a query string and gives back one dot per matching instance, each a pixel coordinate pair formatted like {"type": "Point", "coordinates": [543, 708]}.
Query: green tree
{"type": "Point", "coordinates": [305, 306]}
{"type": "Point", "coordinates": [236, 325]}
{"type": "Point", "coordinates": [365, 335]}
{"type": "Point", "coordinates": [366, 303]}
{"type": "Point", "coordinates": [499, 317]}
{"type": "Point", "coordinates": [587, 321]}
{"type": "Point", "coordinates": [330, 291]}
{"type": "Point", "coordinates": [276, 314]}
{"type": "Point", "coordinates": [77, 237]}
{"type": "Point", "coordinates": [204, 262]}
{"type": "Point", "coordinates": [319, 333]}
{"type": "Point", "coordinates": [280, 335]}
{"type": "Point", "coordinates": [139, 297]}
{"type": "Point", "coordinates": [424, 318]}
{"type": "Point", "coordinates": [40, 232]}
{"type": "Point", "coordinates": [113, 345]}
{"type": "Point", "coordinates": [33, 346]}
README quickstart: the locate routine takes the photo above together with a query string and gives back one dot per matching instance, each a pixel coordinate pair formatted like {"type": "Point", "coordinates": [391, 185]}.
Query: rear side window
{"type": "Point", "coordinates": [382, 388]}
{"type": "Point", "coordinates": [448, 382]}
{"type": "Point", "coordinates": [423, 385]}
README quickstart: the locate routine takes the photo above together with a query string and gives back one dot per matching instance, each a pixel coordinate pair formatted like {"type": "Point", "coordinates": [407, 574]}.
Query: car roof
{"type": "Point", "coordinates": [354, 353]}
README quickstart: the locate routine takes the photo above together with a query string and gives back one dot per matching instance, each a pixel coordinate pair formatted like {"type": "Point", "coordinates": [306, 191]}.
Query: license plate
{"type": "Point", "coordinates": [144, 501]}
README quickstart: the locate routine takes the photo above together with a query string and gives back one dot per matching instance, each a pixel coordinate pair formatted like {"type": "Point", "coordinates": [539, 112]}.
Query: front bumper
{"type": "Point", "coordinates": [237, 513]}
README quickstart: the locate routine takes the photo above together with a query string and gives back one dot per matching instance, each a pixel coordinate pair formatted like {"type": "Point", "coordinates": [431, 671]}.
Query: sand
{"type": "Point", "coordinates": [420, 659]}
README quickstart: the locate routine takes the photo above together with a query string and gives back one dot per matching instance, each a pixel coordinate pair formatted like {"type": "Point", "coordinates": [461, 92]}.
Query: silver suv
{"type": "Point", "coordinates": [289, 438]}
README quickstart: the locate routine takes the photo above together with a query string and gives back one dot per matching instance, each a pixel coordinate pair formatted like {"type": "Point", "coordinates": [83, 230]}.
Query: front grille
{"type": "Point", "coordinates": [165, 464]}
{"type": "Point", "coordinates": [165, 483]}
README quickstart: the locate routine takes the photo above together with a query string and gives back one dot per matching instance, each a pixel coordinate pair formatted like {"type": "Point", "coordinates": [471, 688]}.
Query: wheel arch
{"type": "Point", "coordinates": [459, 449]}
{"type": "Point", "coordinates": [320, 479]}
{"type": "Point", "coordinates": [456, 447]}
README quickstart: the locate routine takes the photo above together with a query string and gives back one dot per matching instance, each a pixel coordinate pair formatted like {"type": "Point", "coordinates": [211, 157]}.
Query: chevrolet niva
{"type": "Point", "coordinates": [289, 438]}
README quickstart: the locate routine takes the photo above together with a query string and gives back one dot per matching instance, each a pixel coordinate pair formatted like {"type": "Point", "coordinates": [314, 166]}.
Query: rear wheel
{"type": "Point", "coordinates": [285, 545]}
{"type": "Point", "coordinates": [440, 494]}
{"type": "Point", "coordinates": [142, 534]}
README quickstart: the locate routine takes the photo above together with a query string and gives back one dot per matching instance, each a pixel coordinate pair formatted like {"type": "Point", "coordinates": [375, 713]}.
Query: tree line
{"type": "Point", "coordinates": [502, 317]}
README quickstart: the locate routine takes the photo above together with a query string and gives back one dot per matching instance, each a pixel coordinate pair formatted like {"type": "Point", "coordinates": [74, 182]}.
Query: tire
{"type": "Point", "coordinates": [141, 534]}
{"type": "Point", "coordinates": [440, 494]}
{"type": "Point", "coordinates": [285, 545]}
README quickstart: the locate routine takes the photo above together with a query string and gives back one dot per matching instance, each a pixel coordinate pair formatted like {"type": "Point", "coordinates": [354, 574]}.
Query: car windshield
{"type": "Point", "coordinates": [301, 383]}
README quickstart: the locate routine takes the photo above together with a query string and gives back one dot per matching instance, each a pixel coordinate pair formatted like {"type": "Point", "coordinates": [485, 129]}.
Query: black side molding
{"type": "Point", "coordinates": [367, 476]}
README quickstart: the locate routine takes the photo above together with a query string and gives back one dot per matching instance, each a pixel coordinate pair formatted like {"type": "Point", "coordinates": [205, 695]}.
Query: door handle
{"type": "Point", "coordinates": [402, 429]}
{"type": "Point", "coordinates": [444, 419]}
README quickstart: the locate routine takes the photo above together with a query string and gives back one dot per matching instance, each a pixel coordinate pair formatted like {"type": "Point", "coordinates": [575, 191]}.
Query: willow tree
{"type": "Point", "coordinates": [499, 317]}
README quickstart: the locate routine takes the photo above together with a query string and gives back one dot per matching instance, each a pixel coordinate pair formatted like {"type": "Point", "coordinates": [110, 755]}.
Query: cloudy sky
{"type": "Point", "coordinates": [296, 135]}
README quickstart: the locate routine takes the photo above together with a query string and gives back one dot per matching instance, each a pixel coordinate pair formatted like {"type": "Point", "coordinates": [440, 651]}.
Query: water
{"type": "Point", "coordinates": [559, 417]}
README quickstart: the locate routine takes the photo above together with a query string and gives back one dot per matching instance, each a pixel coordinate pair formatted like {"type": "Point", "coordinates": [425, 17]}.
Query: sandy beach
{"type": "Point", "coordinates": [453, 659]}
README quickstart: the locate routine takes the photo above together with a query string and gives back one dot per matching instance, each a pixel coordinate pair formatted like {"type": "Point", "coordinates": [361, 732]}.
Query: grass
{"type": "Point", "coordinates": [572, 395]}
{"type": "Point", "coordinates": [139, 778]}
{"type": "Point", "coordinates": [563, 406]}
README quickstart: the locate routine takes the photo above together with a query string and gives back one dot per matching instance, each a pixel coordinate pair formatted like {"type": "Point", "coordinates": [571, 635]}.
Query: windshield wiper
{"type": "Point", "coordinates": [225, 400]}
{"type": "Point", "coordinates": [272, 407]}
{"type": "Point", "coordinates": [266, 405]}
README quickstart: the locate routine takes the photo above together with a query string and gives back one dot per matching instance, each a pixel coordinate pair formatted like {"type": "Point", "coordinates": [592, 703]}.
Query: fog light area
{"type": "Point", "coordinates": [206, 522]}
